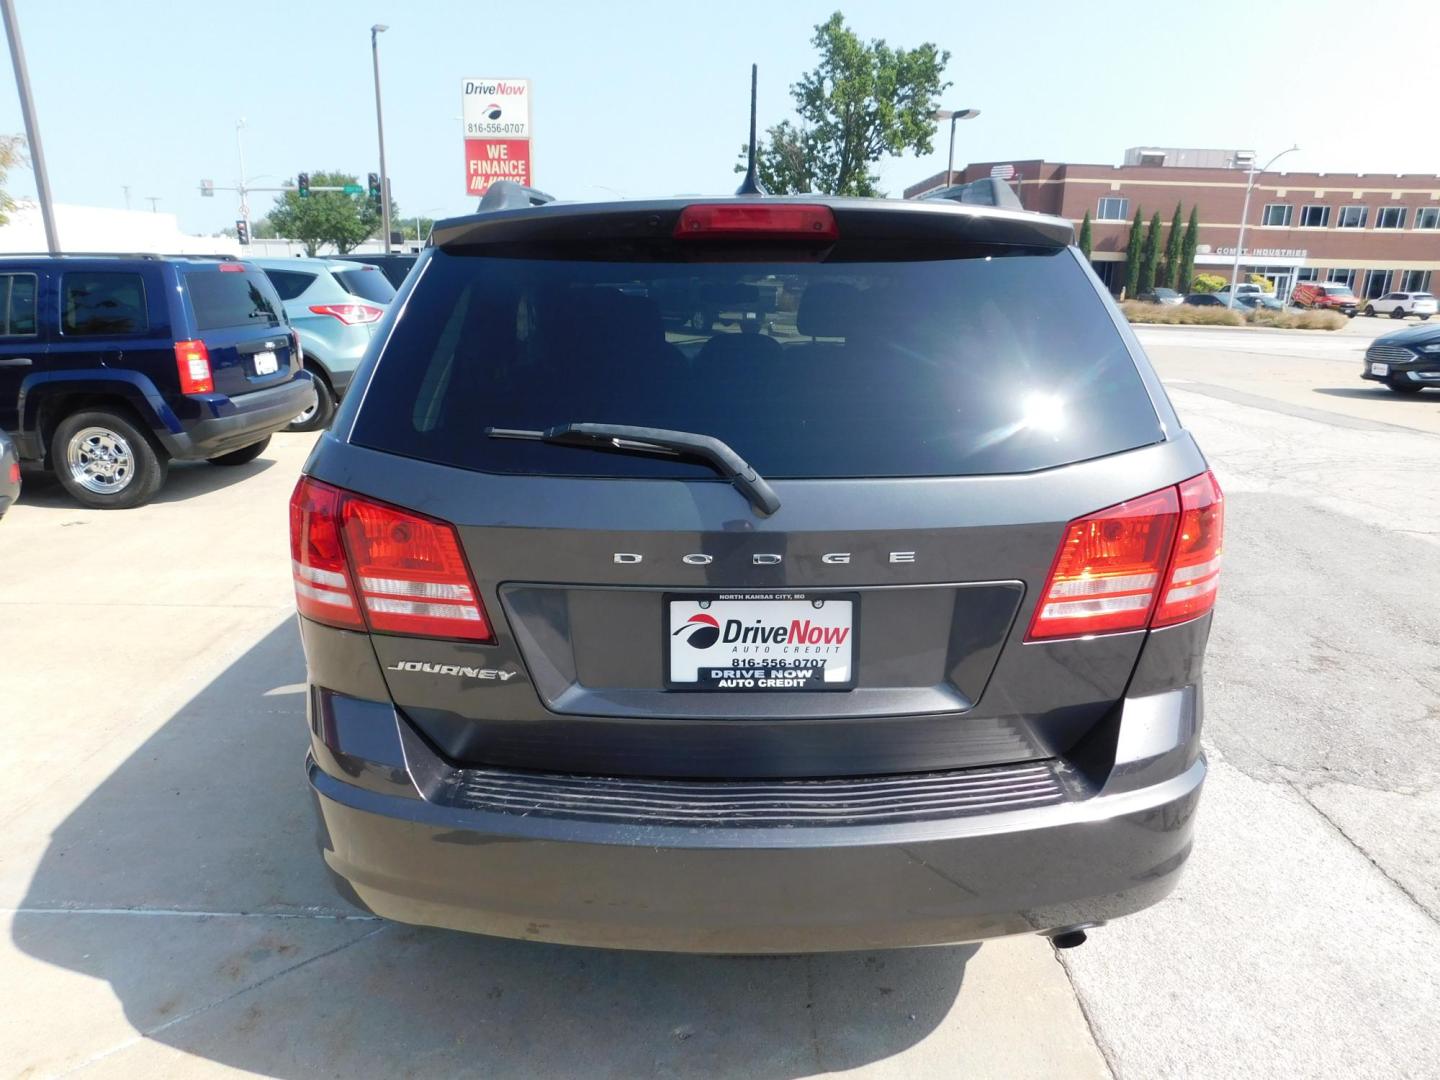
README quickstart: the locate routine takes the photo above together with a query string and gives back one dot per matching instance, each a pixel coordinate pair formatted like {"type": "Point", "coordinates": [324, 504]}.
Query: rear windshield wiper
{"type": "Point", "coordinates": [645, 440]}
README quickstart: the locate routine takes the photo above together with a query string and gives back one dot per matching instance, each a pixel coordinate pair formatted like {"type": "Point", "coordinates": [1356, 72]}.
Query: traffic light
{"type": "Point", "coordinates": [375, 188]}
{"type": "Point", "coordinates": [242, 231]}
{"type": "Point", "coordinates": [303, 183]}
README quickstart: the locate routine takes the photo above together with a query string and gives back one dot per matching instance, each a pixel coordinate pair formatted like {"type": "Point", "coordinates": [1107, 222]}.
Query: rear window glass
{"type": "Point", "coordinates": [222, 299]}
{"type": "Point", "coordinates": [367, 284]}
{"type": "Point", "coordinates": [18, 291]}
{"type": "Point", "coordinates": [1006, 362]}
{"type": "Point", "coordinates": [289, 283]}
{"type": "Point", "coordinates": [102, 303]}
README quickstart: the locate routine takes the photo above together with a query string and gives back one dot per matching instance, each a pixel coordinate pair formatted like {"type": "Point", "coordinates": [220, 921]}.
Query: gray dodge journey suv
{"type": "Point", "coordinates": [866, 610]}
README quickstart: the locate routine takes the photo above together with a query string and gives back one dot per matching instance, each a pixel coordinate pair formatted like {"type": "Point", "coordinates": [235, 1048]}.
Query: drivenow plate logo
{"type": "Point", "coordinates": [772, 641]}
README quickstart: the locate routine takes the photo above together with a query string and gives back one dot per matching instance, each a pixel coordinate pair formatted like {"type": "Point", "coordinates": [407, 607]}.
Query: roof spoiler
{"type": "Point", "coordinates": [987, 191]}
{"type": "Point", "coordinates": [508, 195]}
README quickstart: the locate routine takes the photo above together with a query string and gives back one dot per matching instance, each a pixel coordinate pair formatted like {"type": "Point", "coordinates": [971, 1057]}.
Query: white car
{"type": "Point", "coordinates": [1399, 304]}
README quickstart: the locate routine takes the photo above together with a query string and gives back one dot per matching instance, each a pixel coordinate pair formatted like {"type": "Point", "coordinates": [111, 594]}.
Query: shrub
{"type": "Point", "coordinates": [1180, 314]}
{"type": "Point", "coordinates": [1207, 283]}
{"type": "Point", "coordinates": [1298, 320]}
{"type": "Point", "coordinates": [1266, 285]}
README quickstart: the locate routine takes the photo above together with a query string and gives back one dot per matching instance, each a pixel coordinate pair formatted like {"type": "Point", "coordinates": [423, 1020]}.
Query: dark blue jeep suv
{"type": "Point", "coordinates": [111, 366]}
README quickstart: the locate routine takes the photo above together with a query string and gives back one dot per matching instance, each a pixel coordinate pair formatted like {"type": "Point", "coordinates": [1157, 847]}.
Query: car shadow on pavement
{"type": "Point", "coordinates": [188, 880]}
{"type": "Point", "coordinates": [186, 480]}
{"type": "Point", "coordinates": [1377, 391]}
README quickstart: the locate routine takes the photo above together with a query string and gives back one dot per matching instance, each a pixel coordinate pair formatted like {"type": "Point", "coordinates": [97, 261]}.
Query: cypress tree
{"type": "Point", "coordinates": [1187, 252]}
{"type": "Point", "coordinates": [1132, 259]}
{"type": "Point", "coordinates": [1150, 254]}
{"type": "Point", "coordinates": [1084, 241]}
{"type": "Point", "coordinates": [1170, 268]}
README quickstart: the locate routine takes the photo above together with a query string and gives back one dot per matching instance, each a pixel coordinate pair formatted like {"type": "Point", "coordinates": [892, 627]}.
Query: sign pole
{"type": "Point", "coordinates": [375, 32]}
{"type": "Point", "coordinates": [32, 126]}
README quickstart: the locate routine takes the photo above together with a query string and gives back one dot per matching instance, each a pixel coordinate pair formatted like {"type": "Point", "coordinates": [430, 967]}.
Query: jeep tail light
{"type": "Point", "coordinates": [1108, 569]}
{"type": "Point", "coordinates": [1152, 561]}
{"type": "Point", "coordinates": [350, 314]}
{"type": "Point", "coordinates": [377, 565]}
{"type": "Point", "coordinates": [757, 221]}
{"type": "Point", "coordinates": [323, 591]}
{"type": "Point", "coordinates": [1194, 574]}
{"type": "Point", "coordinates": [192, 359]}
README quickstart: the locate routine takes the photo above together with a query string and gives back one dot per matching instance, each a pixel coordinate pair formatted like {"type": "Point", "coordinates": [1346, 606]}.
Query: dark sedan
{"type": "Point", "coordinates": [1406, 361]}
{"type": "Point", "coordinates": [1204, 299]}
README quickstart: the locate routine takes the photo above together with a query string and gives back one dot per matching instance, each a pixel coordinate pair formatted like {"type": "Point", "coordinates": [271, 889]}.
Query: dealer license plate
{"type": "Point", "coordinates": [739, 642]}
{"type": "Point", "coordinates": [266, 363]}
{"type": "Point", "coordinates": [1379, 369]}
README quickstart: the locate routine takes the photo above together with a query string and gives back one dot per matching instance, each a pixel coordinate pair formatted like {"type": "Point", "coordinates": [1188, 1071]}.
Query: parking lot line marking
{"type": "Point", "coordinates": [185, 913]}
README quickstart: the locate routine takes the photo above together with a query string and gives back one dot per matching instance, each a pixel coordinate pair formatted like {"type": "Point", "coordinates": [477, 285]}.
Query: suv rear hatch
{"type": "Point", "coordinates": [933, 393]}
{"type": "Point", "coordinates": [236, 313]}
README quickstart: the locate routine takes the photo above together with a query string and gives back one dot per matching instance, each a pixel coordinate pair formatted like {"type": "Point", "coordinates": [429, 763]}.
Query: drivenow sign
{"type": "Point", "coordinates": [497, 132]}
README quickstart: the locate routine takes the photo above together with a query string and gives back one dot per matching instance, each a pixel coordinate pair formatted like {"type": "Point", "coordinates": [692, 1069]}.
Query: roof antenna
{"type": "Point", "coordinates": [751, 184]}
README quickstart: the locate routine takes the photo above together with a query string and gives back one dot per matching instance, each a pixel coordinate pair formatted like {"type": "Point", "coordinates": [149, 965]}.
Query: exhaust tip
{"type": "Point", "coordinates": [1070, 937]}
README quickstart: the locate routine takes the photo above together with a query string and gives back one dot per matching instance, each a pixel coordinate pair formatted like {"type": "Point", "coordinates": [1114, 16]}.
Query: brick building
{"type": "Point", "coordinates": [1375, 232]}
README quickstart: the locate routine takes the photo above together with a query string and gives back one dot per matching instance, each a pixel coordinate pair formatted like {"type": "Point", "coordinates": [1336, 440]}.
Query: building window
{"type": "Point", "coordinates": [1353, 217]}
{"type": "Point", "coordinates": [1342, 277]}
{"type": "Point", "coordinates": [1377, 284]}
{"type": "Point", "coordinates": [1112, 208]}
{"type": "Point", "coordinates": [1277, 213]}
{"type": "Point", "coordinates": [1415, 281]}
{"type": "Point", "coordinates": [1390, 217]}
{"type": "Point", "coordinates": [1427, 217]}
{"type": "Point", "coordinates": [1307, 273]}
{"type": "Point", "coordinates": [1315, 217]}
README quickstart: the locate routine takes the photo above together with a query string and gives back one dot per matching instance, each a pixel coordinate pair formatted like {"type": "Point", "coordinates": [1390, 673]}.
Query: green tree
{"type": "Point", "coordinates": [1150, 254]}
{"type": "Point", "coordinates": [864, 101]}
{"type": "Point", "coordinates": [327, 217]}
{"type": "Point", "coordinates": [1187, 252]}
{"type": "Point", "coordinates": [1170, 265]}
{"type": "Point", "coordinates": [12, 156]}
{"type": "Point", "coordinates": [407, 227]}
{"type": "Point", "coordinates": [1132, 258]}
{"type": "Point", "coordinates": [1085, 241]}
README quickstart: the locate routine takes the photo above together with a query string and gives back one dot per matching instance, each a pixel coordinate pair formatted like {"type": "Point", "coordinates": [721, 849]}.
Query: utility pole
{"type": "Point", "coordinates": [126, 188]}
{"type": "Point", "coordinates": [32, 126]}
{"type": "Point", "coordinates": [375, 32]}
{"type": "Point", "coordinates": [240, 149]}
{"type": "Point", "coordinates": [1253, 175]}
{"type": "Point", "coordinates": [153, 200]}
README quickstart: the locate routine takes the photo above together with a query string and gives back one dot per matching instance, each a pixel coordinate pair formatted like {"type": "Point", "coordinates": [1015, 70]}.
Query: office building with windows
{"type": "Point", "coordinates": [1378, 233]}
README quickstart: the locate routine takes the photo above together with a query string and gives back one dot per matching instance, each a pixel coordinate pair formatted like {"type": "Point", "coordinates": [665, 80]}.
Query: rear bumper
{"type": "Point", "coordinates": [611, 880]}
{"type": "Point", "coordinates": [240, 421]}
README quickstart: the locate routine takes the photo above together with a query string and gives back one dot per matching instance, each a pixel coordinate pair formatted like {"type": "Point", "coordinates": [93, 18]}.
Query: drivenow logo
{"type": "Point", "coordinates": [702, 630]}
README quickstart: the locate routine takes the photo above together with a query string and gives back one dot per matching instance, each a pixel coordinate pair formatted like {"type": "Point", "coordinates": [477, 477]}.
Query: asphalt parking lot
{"type": "Point", "coordinates": [167, 914]}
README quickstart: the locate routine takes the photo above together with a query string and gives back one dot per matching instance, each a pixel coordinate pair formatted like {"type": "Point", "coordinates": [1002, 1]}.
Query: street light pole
{"type": "Point", "coordinates": [32, 126]}
{"type": "Point", "coordinates": [1244, 214]}
{"type": "Point", "coordinates": [375, 32]}
{"type": "Point", "coordinates": [953, 115]}
{"type": "Point", "coordinates": [240, 148]}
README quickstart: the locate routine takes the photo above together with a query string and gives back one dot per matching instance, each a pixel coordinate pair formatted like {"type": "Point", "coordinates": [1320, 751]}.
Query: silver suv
{"type": "Point", "coordinates": [871, 613]}
{"type": "Point", "coordinates": [336, 307]}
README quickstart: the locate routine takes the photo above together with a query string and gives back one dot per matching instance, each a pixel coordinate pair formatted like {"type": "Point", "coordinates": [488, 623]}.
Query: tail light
{"type": "Point", "coordinates": [350, 314]}
{"type": "Point", "coordinates": [759, 221]}
{"type": "Point", "coordinates": [14, 472]}
{"type": "Point", "coordinates": [192, 359]}
{"type": "Point", "coordinates": [1195, 569]}
{"type": "Point", "coordinates": [1151, 561]}
{"type": "Point", "coordinates": [406, 571]}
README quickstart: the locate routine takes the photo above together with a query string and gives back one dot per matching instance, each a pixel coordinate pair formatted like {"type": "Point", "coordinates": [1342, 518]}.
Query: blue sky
{"type": "Point", "coordinates": [650, 98]}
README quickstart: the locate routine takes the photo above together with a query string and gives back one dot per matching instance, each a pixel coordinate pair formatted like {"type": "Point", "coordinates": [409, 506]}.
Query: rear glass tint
{"type": "Point", "coordinates": [1005, 363]}
{"type": "Point", "coordinates": [289, 283]}
{"type": "Point", "coordinates": [102, 303]}
{"type": "Point", "coordinates": [224, 299]}
{"type": "Point", "coordinates": [368, 284]}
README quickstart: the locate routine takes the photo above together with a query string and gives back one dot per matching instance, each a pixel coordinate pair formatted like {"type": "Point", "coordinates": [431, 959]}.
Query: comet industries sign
{"type": "Point", "coordinates": [496, 113]}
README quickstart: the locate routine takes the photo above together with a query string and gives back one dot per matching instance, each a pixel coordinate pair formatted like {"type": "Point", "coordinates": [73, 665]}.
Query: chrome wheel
{"type": "Point", "coordinates": [100, 460]}
{"type": "Point", "coordinates": [306, 416]}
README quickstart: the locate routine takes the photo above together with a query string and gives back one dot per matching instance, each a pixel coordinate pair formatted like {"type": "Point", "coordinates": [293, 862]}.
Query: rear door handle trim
{"type": "Point", "coordinates": [15, 361]}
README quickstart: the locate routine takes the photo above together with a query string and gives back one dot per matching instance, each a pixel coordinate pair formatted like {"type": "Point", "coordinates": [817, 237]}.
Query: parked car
{"type": "Point", "coordinates": [1326, 296]}
{"type": "Point", "coordinates": [1252, 301]}
{"type": "Point", "coordinates": [335, 305]}
{"type": "Point", "coordinates": [1399, 304]}
{"type": "Point", "coordinates": [1161, 296]}
{"type": "Point", "coordinates": [579, 672]}
{"type": "Point", "coordinates": [394, 266]}
{"type": "Point", "coordinates": [1406, 361]}
{"type": "Point", "coordinates": [1205, 299]}
{"type": "Point", "coordinates": [112, 366]}
{"type": "Point", "coordinates": [9, 473]}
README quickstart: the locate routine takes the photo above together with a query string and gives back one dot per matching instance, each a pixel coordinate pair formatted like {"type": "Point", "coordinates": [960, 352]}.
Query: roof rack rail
{"type": "Point", "coordinates": [223, 256]}
{"type": "Point", "coordinates": [508, 195]}
{"type": "Point", "coordinates": [987, 191]}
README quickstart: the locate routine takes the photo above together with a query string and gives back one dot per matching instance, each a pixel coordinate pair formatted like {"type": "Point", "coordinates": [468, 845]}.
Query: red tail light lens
{"type": "Point", "coordinates": [1152, 561]}
{"type": "Point", "coordinates": [350, 314]}
{"type": "Point", "coordinates": [317, 556]}
{"type": "Point", "coordinates": [759, 221]}
{"type": "Point", "coordinates": [358, 562]}
{"type": "Point", "coordinates": [412, 575]}
{"type": "Point", "coordinates": [14, 472]}
{"type": "Point", "coordinates": [1195, 571]}
{"type": "Point", "coordinates": [192, 359]}
{"type": "Point", "coordinates": [1108, 569]}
